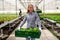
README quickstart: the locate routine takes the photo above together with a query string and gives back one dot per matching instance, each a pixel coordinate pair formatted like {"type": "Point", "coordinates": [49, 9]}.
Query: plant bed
{"type": "Point", "coordinates": [28, 32]}
{"type": "Point", "coordinates": [54, 33]}
{"type": "Point", "coordinates": [55, 17]}
{"type": "Point", "coordinates": [7, 17]}
{"type": "Point", "coordinates": [1, 22]}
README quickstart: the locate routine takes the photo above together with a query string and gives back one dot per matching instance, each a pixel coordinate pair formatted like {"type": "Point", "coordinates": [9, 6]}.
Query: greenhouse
{"type": "Point", "coordinates": [29, 19]}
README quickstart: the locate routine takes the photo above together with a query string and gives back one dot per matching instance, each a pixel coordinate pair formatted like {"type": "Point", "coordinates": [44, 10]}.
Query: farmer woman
{"type": "Point", "coordinates": [32, 19]}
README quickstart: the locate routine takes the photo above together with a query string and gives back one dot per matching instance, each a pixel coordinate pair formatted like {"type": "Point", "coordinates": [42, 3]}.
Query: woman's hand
{"type": "Point", "coordinates": [19, 27]}
{"type": "Point", "coordinates": [40, 29]}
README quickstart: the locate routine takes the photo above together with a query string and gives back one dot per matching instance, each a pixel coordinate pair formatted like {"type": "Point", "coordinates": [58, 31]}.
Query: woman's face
{"type": "Point", "coordinates": [30, 8]}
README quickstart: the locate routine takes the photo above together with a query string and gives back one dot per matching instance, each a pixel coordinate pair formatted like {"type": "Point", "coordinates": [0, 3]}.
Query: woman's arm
{"type": "Point", "coordinates": [38, 21]}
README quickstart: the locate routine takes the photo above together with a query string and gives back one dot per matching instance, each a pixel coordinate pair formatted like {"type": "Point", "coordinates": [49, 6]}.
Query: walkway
{"type": "Point", "coordinates": [46, 35]}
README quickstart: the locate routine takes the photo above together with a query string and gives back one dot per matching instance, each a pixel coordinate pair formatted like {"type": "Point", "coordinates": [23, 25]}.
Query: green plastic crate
{"type": "Point", "coordinates": [27, 33]}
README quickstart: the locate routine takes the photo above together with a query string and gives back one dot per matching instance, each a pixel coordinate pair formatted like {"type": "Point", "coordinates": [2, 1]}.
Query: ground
{"type": "Point", "coordinates": [45, 35]}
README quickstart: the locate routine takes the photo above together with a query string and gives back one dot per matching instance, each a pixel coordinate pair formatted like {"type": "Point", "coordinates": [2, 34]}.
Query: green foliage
{"type": "Point", "coordinates": [7, 17]}
{"type": "Point", "coordinates": [30, 29]}
{"type": "Point", "coordinates": [55, 17]}
{"type": "Point", "coordinates": [28, 32]}
{"type": "Point", "coordinates": [39, 11]}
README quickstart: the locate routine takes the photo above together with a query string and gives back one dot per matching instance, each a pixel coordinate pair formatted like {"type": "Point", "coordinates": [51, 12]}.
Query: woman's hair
{"type": "Point", "coordinates": [28, 7]}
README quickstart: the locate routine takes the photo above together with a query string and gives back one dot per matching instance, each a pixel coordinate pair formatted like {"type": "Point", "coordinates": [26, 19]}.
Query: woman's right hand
{"type": "Point", "coordinates": [19, 28]}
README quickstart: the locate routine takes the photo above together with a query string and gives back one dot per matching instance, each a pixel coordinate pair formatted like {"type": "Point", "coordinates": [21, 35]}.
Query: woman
{"type": "Point", "coordinates": [32, 19]}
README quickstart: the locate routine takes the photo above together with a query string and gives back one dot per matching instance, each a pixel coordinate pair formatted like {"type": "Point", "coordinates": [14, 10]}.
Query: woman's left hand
{"type": "Point", "coordinates": [40, 29]}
